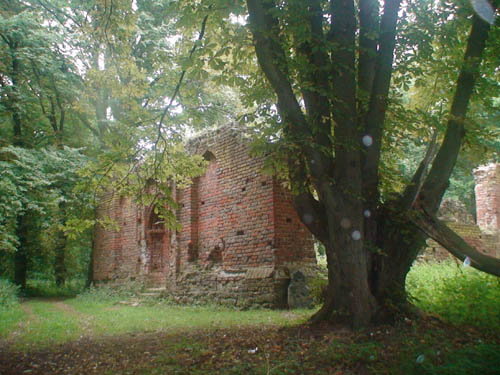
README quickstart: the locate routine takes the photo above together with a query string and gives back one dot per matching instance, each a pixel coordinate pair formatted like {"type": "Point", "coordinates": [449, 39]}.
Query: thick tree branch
{"type": "Point", "coordinates": [316, 89]}
{"type": "Point", "coordinates": [455, 244]}
{"type": "Point", "coordinates": [368, 36]}
{"type": "Point", "coordinates": [272, 61]}
{"type": "Point", "coordinates": [413, 189]}
{"type": "Point", "coordinates": [343, 37]}
{"type": "Point", "coordinates": [311, 212]}
{"type": "Point", "coordinates": [375, 117]}
{"type": "Point", "coordinates": [313, 215]}
{"type": "Point", "coordinates": [437, 181]}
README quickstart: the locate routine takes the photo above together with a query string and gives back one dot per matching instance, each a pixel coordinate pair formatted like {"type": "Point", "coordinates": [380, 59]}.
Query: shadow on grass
{"type": "Point", "coordinates": [425, 347]}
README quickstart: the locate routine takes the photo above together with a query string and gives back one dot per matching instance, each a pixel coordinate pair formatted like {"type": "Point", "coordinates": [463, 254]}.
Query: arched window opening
{"type": "Point", "coordinates": [208, 156]}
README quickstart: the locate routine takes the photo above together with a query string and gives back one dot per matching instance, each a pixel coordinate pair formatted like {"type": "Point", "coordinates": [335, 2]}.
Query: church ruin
{"type": "Point", "coordinates": [240, 242]}
{"type": "Point", "coordinates": [484, 232]}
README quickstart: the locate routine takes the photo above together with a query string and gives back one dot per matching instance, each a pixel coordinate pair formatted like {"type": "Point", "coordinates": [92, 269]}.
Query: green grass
{"type": "Point", "coordinates": [460, 295]}
{"type": "Point", "coordinates": [117, 319]}
{"type": "Point", "coordinates": [8, 294]}
{"type": "Point", "coordinates": [213, 339]}
{"type": "Point", "coordinates": [480, 359]}
{"type": "Point", "coordinates": [47, 323]}
{"type": "Point", "coordinates": [10, 320]}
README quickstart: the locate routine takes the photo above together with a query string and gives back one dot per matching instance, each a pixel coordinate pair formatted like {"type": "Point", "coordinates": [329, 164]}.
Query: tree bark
{"type": "Point", "coordinates": [21, 255]}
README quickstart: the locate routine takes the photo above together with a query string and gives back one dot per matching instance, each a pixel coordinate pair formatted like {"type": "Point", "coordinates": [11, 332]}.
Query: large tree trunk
{"type": "Point", "coordinates": [372, 288]}
{"type": "Point", "coordinates": [90, 268]}
{"type": "Point", "coordinates": [22, 220]}
{"type": "Point", "coordinates": [370, 245]}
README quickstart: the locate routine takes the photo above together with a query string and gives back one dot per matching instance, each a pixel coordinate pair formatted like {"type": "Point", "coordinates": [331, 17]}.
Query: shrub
{"type": "Point", "coordinates": [318, 286]}
{"type": "Point", "coordinates": [8, 294]}
{"type": "Point", "coordinates": [460, 295]}
{"type": "Point", "coordinates": [112, 292]}
{"type": "Point", "coordinates": [40, 287]}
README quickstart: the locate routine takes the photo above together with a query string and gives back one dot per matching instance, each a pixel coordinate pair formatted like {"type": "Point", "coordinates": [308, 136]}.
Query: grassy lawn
{"type": "Point", "coordinates": [96, 334]}
{"type": "Point", "coordinates": [39, 323]}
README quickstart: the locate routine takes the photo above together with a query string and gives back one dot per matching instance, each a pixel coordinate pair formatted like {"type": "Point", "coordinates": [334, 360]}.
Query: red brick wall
{"type": "Point", "coordinates": [486, 243]}
{"type": "Point", "coordinates": [293, 241]}
{"type": "Point", "coordinates": [117, 246]}
{"type": "Point", "coordinates": [485, 236]}
{"type": "Point", "coordinates": [233, 219]}
{"type": "Point", "coordinates": [234, 205]}
{"type": "Point", "coordinates": [487, 180]}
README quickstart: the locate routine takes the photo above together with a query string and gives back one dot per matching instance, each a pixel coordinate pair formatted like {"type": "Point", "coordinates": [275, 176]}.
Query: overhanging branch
{"type": "Point", "coordinates": [452, 242]}
{"type": "Point", "coordinates": [437, 181]}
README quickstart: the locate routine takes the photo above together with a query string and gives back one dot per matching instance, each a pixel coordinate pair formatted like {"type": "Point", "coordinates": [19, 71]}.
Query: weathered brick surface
{"type": "Point", "coordinates": [487, 243]}
{"type": "Point", "coordinates": [240, 235]}
{"type": "Point", "coordinates": [487, 190]}
{"type": "Point", "coordinates": [485, 236]}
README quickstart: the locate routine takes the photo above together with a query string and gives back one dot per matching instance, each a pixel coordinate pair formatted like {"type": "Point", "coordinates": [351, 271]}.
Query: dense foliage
{"type": "Point", "coordinates": [90, 100]}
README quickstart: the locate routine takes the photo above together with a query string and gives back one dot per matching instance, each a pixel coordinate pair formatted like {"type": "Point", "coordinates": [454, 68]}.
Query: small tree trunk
{"type": "Point", "coordinates": [21, 256]}
{"type": "Point", "coordinates": [90, 269]}
{"type": "Point", "coordinates": [60, 249]}
{"type": "Point", "coordinates": [60, 265]}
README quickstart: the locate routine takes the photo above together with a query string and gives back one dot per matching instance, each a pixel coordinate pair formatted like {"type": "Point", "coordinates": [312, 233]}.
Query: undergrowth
{"type": "Point", "coordinates": [8, 294]}
{"type": "Point", "coordinates": [111, 292]}
{"type": "Point", "coordinates": [48, 288]}
{"type": "Point", "coordinates": [460, 295]}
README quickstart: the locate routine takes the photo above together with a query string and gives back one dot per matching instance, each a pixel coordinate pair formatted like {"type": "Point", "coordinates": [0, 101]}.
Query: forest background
{"type": "Point", "coordinates": [91, 90]}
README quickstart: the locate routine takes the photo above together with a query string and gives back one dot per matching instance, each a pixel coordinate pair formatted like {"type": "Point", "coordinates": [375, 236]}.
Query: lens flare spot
{"type": "Point", "coordinates": [307, 218]}
{"type": "Point", "coordinates": [345, 223]}
{"type": "Point", "coordinates": [367, 140]}
{"type": "Point", "coordinates": [356, 235]}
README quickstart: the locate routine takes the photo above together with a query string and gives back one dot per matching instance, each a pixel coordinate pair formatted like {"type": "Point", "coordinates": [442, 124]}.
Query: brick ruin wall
{"type": "Point", "coordinates": [485, 234]}
{"type": "Point", "coordinates": [240, 239]}
{"type": "Point", "coordinates": [487, 190]}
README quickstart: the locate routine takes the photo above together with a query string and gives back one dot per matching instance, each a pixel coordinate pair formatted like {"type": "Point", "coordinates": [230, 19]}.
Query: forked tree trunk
{"type": "Point", "coordinates": [337, 178]}
{"type": "Point", "coordinates": [371, 288]}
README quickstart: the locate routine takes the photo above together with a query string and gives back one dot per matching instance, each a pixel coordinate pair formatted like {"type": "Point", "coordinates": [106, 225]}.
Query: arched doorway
{"type": "Point", "coordinates": [157, 242]}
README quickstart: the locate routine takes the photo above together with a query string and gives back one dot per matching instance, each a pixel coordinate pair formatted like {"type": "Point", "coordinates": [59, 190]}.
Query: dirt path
{"type": "Point", "coordinates": [85, 321]}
